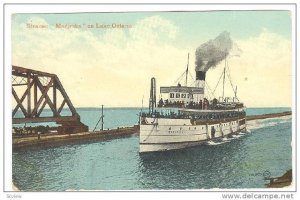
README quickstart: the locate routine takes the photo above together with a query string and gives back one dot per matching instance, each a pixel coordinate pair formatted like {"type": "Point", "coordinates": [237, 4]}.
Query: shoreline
{"type": "Point", "coordinates": [51, 140]}
{"type": "Point", "coordinates": [266, 116]}
{"type": "Point", "coordinates": [54, 139]}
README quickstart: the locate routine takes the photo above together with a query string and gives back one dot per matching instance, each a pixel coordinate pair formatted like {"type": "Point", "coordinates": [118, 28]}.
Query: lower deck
{"type": "Point", "coordinates": [169, 133]}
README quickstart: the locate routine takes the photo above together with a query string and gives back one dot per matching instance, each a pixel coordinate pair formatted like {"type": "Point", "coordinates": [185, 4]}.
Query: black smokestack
{"type": "Point", "coordinates": [212, 53]}
{"type": "Point", "coordinates": [200, 75]}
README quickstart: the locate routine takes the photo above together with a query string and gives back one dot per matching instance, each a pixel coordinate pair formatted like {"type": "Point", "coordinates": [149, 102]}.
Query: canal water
{"type": "Point", "coordinates": [239, 162]}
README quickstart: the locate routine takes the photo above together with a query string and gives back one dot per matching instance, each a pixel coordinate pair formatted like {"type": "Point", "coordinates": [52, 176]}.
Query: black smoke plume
{"type": "Point", "coordinates": [211, 53]}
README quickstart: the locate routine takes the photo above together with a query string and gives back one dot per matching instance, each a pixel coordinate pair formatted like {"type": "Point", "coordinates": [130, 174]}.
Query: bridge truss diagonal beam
{"type": "Point", "coordinates": [41, 82]}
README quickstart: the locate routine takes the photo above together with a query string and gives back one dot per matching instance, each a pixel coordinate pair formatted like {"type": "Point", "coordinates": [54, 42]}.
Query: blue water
{"type": "Point", "coordinates": [113, 117]}
{"type": "Point", "coordinates": [260, 111]}
{"type": "Point", "coordinates": [120, 117]}
{"type": "Point", "coordinates": [116, 164]}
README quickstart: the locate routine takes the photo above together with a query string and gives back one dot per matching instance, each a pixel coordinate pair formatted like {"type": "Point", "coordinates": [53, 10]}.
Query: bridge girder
{"type": "Point", "coordinates": [41, 82]}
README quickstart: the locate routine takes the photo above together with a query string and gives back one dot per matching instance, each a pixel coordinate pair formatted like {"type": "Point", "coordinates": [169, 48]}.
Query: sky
{"type": "Point", "coordinates": [113, 66]}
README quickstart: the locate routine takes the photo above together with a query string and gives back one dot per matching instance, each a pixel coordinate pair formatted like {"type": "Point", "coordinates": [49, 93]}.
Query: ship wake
{"type": "Point", "coordinates": [226, 139]}
{"type": "Point", "coordinates": [263, 123]}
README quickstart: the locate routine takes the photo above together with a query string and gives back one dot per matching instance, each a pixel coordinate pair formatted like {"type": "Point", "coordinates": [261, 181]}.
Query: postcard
{"type": "Point", "coordinates": [151, 98]}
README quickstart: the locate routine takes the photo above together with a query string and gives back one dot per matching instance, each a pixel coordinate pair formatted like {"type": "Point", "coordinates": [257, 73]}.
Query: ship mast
{"type": "Point", "coordinates": [229, 77]}
{"type": "Point", "coordinates": [187, 70]}
{"type": "Point", "coordinates": [224, 80]}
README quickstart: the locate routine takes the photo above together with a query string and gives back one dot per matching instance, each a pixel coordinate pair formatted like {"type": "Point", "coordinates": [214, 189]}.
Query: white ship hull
{"type": "Point", "coordinates": [162, 134]}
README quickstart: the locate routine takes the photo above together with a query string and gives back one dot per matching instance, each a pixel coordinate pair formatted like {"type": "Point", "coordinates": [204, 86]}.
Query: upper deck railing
{"type": "Point", "coordinates": [201, 105]}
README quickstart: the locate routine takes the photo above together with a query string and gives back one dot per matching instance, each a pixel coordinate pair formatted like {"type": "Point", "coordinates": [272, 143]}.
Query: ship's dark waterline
{"type": "Point", "coordinates": [238, 162]}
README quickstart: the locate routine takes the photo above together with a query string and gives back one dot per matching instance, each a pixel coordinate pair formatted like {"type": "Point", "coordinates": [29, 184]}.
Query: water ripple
{"type": "Point", "coordinates": [232, 162]}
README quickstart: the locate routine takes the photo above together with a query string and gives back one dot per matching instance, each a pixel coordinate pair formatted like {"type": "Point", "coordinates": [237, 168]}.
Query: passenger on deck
{"type": "Point", "coordinates": [207, 104]}
{"type": "Point", "coordinates": [161, 103]}
{"type": "Point", "coordinates": [214, 103]}
{"type": "Point", "coordinates": [190, 104]}
{"type": "Point", "coordinates": [166, 102]}
{"type": "Point", "coordinates": [204, 104]}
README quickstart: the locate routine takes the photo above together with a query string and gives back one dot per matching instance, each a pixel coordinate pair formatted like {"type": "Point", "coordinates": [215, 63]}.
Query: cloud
{"type": "Point", "coordinates": [154, 28]}
{"type": "Point", "coordinates": [263, 72]}
{"type": "Point", "coordinates": [112, 68]}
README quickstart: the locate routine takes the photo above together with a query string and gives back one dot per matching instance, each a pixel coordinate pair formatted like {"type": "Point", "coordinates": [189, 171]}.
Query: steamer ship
{"type": "Point", "coordinates": [187, 117]}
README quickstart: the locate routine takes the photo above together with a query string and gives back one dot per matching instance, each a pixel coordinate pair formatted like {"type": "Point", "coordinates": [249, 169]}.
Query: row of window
{"type": "Point", "coordinates": [180, 95]}
{"type": "Point", "coordinates": [189, 128]}
{"type": "Point", "coordinates": [177, 132]}
{"type": "Point", "coordinates": [195, 128]}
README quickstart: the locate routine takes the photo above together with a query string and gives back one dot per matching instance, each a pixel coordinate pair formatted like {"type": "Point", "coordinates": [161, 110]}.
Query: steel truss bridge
{"type": "Point", "coordinates": [33, 91]}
